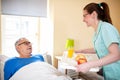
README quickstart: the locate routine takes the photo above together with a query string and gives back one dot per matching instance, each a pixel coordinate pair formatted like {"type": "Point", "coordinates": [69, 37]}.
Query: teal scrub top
{"type": "Point", "coordinates": [105, 35]}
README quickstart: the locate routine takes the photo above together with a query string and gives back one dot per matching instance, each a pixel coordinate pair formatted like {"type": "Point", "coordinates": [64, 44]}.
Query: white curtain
{"type": "Point", "coordinates": [37, 8]}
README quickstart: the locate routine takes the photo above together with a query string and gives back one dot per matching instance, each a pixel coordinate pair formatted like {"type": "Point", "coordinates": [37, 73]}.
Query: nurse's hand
{"type": "Point", "coordinates": [84, 67]}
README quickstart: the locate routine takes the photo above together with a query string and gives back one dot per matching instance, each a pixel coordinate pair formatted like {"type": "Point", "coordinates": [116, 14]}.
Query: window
{"type": "Point", "coordinates": [36, 29]}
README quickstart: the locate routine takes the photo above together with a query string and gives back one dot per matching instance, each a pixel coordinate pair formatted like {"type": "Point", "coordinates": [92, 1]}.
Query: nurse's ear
{"type": "Point", "coordinates": [94, 15]}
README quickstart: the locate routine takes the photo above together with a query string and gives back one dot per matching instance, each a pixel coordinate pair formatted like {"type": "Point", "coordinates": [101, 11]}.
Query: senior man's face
{"type": "Point", "coordinates": [24, 47]}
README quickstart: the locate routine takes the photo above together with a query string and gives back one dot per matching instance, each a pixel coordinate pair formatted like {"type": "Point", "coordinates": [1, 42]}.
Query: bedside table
{"type": "Point", "coordinates": [66, 66]}
{"type": "Point", "coordinates": [65, 63]}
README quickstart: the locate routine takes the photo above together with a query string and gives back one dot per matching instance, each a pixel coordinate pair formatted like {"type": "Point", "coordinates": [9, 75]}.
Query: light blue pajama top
{"type": "Point", "coordinates": [105, 35]}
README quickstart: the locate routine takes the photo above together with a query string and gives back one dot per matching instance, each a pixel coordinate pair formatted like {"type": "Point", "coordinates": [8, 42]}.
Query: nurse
{"type": "Point", "coordinates": [106, 41]}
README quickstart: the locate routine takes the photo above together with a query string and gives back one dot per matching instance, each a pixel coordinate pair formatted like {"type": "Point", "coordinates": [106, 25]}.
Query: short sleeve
{"type": "Point", "coordinates": [110, 35]}
{"type": "Point", "coordinates": [40, 57]}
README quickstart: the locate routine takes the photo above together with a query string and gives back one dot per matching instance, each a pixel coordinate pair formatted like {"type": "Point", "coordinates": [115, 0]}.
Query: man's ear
{"type": "Point", "coordinates": [17, 47]}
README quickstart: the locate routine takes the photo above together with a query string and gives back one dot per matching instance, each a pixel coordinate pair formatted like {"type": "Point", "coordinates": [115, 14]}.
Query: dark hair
{"type": "Point", "coordinates": [101, 9]}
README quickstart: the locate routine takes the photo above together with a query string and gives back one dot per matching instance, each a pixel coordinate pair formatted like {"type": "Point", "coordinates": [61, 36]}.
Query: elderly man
{"type": "Point", "coordinates": [24, 48]}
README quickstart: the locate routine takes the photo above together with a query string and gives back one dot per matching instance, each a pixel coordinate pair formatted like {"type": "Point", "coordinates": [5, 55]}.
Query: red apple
{"type": "Point", "coordinates": [80, 58]}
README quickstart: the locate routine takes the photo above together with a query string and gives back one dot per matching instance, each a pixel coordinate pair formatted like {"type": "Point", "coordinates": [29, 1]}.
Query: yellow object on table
{"type": "Point", "coordinates": [70, 47]}
{"type": "Point", "coordinates": [70, 53]}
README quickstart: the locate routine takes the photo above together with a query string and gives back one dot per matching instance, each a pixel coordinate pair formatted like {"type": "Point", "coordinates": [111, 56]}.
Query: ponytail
{"type": "Point", "coordinates": [106, 12]}
{"type": "Point", "coordinates": [101, 9]}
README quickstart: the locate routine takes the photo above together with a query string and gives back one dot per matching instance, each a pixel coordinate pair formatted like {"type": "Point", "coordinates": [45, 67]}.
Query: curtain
{"type": "Point", "coordinates": [37, 8]}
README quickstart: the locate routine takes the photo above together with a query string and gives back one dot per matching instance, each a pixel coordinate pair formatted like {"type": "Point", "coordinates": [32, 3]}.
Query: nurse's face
{"type": "Point", "coordinates": [87, 18]}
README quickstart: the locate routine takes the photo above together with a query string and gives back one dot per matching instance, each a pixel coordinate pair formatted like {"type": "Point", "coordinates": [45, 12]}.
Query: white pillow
{"type": "Point", "coordinates": [3, 58]}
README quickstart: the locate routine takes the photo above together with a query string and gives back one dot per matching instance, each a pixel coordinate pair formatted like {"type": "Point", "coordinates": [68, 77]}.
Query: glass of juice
{"type": "Point", "coordinates": [70, 53]}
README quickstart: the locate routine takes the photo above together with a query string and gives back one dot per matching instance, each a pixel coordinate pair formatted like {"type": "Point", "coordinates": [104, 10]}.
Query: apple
{"type": "Point", "coordinates": [80, 58]}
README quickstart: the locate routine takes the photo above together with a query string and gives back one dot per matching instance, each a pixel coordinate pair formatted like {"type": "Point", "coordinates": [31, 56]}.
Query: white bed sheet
{"type": "Point", "coordinates": [39, 71]}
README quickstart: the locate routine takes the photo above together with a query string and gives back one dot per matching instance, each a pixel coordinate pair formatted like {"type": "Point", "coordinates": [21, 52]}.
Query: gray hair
{"type": "Point", "coordinates": [16, 43]}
